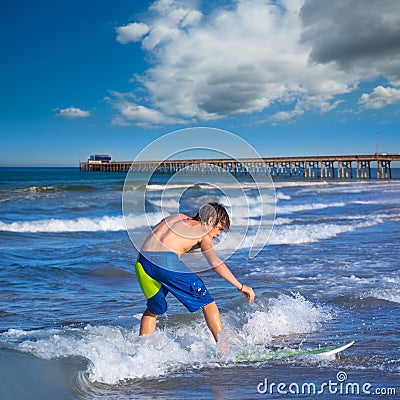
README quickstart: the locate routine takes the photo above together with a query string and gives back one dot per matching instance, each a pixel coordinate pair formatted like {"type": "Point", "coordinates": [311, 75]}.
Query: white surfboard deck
{"type": "Point", "coordinates": [322, 352]}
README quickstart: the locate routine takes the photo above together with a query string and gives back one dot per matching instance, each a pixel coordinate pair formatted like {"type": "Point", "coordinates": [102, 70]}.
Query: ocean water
{"type": "Point", "coordinates": [70, 304]}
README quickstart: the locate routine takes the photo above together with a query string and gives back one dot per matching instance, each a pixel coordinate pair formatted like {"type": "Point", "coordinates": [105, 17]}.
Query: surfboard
{"type": "Point", "coordinates": [265, 355]}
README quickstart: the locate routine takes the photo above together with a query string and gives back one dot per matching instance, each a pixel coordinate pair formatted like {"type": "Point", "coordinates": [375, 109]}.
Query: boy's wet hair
{"type": "Point", "coordinates": [215, 211]}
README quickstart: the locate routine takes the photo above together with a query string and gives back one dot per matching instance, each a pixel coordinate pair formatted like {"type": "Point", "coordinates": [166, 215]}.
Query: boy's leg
{"type": "Point", "coordinates": [148, 323]}
{"type": "Point", "coordinates": [213, 319]}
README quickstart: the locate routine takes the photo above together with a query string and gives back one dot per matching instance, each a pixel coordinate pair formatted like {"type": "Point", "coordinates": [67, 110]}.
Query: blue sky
{"type": "Point", "coordinates": [290, 77]}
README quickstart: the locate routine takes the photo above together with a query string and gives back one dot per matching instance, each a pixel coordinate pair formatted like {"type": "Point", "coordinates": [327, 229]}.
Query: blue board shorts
{"type": "Point", "coordinates": [156, 282]}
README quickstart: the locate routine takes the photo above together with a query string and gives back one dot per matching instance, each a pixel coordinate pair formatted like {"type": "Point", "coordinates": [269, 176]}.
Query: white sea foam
{"type": "Point", "coordinates": [392, 279]}
{"type": "Point", "coordinates": [285, 232]}
{"type": "Point", "coordinates": [16, 333]}
{"type": "Point", "coordinates": [166, 186]}
{"type": "Point", "coordinates": [213, 183]}
{"type": "Point", "coordinates": [387, 288]}
{"type": "Point", "coordinates": [284, 316]}
{"type": "Point", "coordinates": [279, 184]}
{"type": "Point", "coordinates": [378, 287]}
{"type": "Point", "coordinates": [391, 294]}
{"type": "Point", "coordinates": [170, 205]}
{"type": "Point", "coordinates": [39, 189]}
{"type": "Point", "coordinates": [282, 196]}
{"type": "Point", "coordinates": [304, 186]}
{"type": "Point", "coordinates": [171, 186]}
{"type": "Point", "coordinates": [117, 354]}
{"type": "Point", "coordinates": [84, 224]}
{"type": "Point", "coordinates": [311, 233]}
{"type": "Point", "coordinates": [36, 189]}
{"type": "Point", "coordinates": [290, 209]}
{"type": "Point", "coordinates": [283, 221]}
{"type": "Point", "coordinates": [248, 185]}
{"type": "Point", "coordinates": [105, 223]}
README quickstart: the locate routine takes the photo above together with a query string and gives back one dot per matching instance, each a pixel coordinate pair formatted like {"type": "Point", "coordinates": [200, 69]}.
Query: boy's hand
{"type": "Point", "coordinates": [248, 292]}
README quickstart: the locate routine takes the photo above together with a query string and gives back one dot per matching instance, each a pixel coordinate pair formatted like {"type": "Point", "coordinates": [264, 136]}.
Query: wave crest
{"type": "Point", "coordinates": [117, 354]}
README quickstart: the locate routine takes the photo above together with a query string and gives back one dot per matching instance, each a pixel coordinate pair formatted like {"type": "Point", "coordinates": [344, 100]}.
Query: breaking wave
{"type": "Point", "coordinates": [285, 231]}
{"type": "Point", "coordinates": [117, 354]}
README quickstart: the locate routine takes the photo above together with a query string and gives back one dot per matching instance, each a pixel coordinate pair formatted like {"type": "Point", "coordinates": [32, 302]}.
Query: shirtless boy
{"type": "Point", "coordinates": [159, 269]}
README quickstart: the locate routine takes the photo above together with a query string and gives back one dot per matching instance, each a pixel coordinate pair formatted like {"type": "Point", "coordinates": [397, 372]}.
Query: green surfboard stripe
{"type": "Point", "coordinates": [284, 353]}
{"type": "Point", "coordinates": [149, 285]}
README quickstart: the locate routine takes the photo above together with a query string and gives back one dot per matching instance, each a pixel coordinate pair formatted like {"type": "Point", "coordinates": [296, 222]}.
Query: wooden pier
{"type": "Point", "coordinates": [376, 166]}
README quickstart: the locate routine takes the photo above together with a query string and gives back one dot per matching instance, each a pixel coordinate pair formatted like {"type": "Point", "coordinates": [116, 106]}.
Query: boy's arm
{"type": "Point", "coordinates": [195, 247]}
{"type": "Point", "coordinates": [221, 269]}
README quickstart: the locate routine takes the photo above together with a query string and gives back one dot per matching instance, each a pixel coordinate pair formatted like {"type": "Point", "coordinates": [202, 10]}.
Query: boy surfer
{"type": "Point", "coordinates": [159, 269]}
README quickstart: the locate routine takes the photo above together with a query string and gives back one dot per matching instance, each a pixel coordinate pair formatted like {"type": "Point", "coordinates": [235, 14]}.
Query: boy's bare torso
{"type": "Point", "coordinates": [177, 233]}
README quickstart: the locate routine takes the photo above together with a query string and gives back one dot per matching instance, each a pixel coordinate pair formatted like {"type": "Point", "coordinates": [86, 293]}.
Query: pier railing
{"type": "Point", "coordinates": [335, 167]}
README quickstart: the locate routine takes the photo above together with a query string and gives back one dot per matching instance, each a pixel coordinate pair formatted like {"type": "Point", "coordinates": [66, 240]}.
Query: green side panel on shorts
{"type": "Point", "coordinates": [149, 285]}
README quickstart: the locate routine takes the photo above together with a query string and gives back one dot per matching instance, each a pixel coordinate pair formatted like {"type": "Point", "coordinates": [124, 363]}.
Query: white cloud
{"type": "Point", "coordinates": [282, 116]}
{"type": "Point", "coordinates": [132, 113]}
{"type": "Point", "coordinates": [175, 18]}
{"type": "Point", "coordinates": [72, 113]}
{"type": "Point", "coordinates": [250, 55]}
{"type": "Point", "coordinates": [380, 97]}
{"type": "Point", "coordinates": [159, 34]}
{"type": "Point", "coordinates": [133, 32]}
{"type": "Point", "coordinates": [142, 114]}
